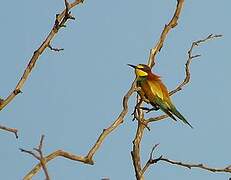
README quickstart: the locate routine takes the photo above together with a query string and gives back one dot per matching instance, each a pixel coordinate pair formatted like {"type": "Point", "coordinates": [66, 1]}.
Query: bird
{"type": "Point", "coordinates": [154, 92]}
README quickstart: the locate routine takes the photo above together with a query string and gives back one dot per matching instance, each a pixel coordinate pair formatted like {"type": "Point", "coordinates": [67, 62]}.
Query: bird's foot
{"type": "Point", "coordinates": [154, 108]}
{"type": "Point", "coordinates": [135, 112]}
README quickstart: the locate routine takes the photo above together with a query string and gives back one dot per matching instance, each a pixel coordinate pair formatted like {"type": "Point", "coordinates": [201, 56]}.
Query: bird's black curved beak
{"type": "Point", "coordinates": [131, 65]}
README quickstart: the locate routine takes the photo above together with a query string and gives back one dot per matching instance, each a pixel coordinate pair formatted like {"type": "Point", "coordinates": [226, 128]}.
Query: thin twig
{"type": "Point", "coordinates": [190, 58]}
{"type": "Point", "coordinates": [39, 150]}
{"type": "Point", "coordinates": [150, 160]}
{"type": "Point", "coordinates": [30, 152]}
{"type": "Point", "coordinates": [153, 160]}
{"type": "Point", "coordinates": [38, 156]}
{"type": "Point", "coordinates": [201, 166]}
{"type": "Point", "coordinates": [55, 49]}
{"type": "Point", "coordinates": [158, 118]}
{"type": "Point", "coordinates": [13, 130]}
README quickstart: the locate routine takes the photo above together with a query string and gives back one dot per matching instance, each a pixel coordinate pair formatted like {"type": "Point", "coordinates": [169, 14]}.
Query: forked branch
{"type": "Point", "coordinates": [38, 154]}
{"type": "Point", "coordinates": [60, 21]}
{"type": "Point", "coordinates": [151, 62]}
{"type": "Point", "coordinates": [153, 160]}
{"type": "Point", "coordinates": [190, 58]}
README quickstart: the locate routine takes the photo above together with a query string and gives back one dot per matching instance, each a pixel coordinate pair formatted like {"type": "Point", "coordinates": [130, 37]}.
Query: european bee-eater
{"type": "Point", "coordinates": [153, 91]}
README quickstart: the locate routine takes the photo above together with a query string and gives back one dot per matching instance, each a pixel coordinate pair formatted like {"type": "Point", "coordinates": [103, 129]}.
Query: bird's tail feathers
{"type": "Point", "coordinates": [178, 114]}
{"type": "Point", "coordinates": [164, 108]}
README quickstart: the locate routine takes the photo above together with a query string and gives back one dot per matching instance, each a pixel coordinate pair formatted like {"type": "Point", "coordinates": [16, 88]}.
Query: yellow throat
{"type": "Point", "coordinates": [140, 72]}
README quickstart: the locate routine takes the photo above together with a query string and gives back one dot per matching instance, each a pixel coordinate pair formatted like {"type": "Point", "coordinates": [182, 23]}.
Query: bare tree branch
{"type": "Point", "coordinates": [167, 28]}
{"type": "Point", "coordinates": [59, 22]}
{"type": "Point", "coordinates": [13, 130]}
{"type": "Point", "coordinates": [55, 49]}
{"type": "Point", "coordinates": [88, 159]}
{"type": "Point", "coordinates": [38, 156]}
{"type": "Point", "coordinates": [158, 118]}
{"type": "Point", "coordinates": [200, 166]}
{"type": "Point", "coordinates": [190, 58]}
{"type": "Point", "coordinates": [152, 160]}
{"type": "Point", "coordinates": [136, 151]}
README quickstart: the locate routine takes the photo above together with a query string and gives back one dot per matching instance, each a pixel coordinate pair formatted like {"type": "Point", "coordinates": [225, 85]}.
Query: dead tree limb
{"type": "Point", "coordinates": [191, 56]}
{"type": "Point", "coordinates": [88, 159]}
{"type": "Point", "coordinates": [153, 160]}
{"type": "Point", "coordinates": [60, 21]}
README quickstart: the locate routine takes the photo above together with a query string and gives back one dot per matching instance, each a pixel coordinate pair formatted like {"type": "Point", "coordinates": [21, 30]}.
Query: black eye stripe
{"type": "Point", "coordinates": [141, 69]}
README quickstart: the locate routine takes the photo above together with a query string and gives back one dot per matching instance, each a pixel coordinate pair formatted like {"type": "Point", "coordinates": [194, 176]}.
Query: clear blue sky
{"type": "Point", "coordinates": [72, 95]}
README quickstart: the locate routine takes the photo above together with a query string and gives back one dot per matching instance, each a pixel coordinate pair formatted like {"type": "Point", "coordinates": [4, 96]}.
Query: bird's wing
{"type": "Point", "coordinates": [156, 89]}
{"type": "Point", "coordinates": [155, 94]}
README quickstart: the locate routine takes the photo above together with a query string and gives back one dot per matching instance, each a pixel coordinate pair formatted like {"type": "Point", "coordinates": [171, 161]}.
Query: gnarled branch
{"type": "Point", "coordinates": [88, 159]}
{"type": "Point", "coordinates": [60, 21]}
